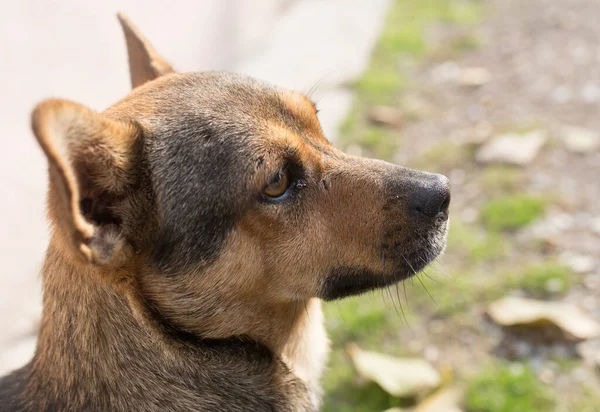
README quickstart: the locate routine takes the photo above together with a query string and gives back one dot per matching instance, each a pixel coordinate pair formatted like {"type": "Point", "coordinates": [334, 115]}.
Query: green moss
{"type": "Point", "coordinates": [405, 38]}
{"type": "Point", "coordinates": [511, 212]}
{"type": "Point", "coordinates": [461, 12]}
{"type": "Point", "coordinates": [545, 280]}
{"type": "Point", "coordinates": [508, 388]}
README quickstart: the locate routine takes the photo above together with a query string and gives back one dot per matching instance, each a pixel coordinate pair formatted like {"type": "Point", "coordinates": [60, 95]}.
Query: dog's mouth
{"type": "Point", "coordinates": [397, 264]}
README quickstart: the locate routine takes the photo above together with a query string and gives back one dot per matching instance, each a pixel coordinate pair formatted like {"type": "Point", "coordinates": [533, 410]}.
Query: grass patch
{"type": "Point", "coordinates": [507, 388]}
{"type": "Point", "coordinates": [511, 212]}
{"type": "Point", "coordinates": [543, 281]}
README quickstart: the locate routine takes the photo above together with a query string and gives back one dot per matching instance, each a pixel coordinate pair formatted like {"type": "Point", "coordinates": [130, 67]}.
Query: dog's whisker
{"type": "Point", "coordinates": [429, 277]}
{"type": "Point", "coordinates": [409, 264]}
{"type": "Point", "coordinates": [426, 290]}
{"type": "Point", "coordinates": [402, 309]}
{"type": "Point", "coordinates": [405, 296]}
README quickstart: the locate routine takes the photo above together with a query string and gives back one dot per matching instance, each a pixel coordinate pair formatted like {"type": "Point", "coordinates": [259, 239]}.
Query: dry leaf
{"type": "Point", "coordinates": [400, 377]}
{"type": "Point", "coordinates": [510, 311]}
{"type": "Point", "coordinates": [474, 77]}
{"type": "Point", "coordinates": [444, 400]}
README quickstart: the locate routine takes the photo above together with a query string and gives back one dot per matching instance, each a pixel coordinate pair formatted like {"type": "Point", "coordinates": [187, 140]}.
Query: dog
{"type": "Point", "coordinates": [197, 224]}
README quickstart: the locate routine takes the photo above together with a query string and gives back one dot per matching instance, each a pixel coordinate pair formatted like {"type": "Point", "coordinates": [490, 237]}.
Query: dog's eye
{"type": "Point", "coordinates": [278, 186]}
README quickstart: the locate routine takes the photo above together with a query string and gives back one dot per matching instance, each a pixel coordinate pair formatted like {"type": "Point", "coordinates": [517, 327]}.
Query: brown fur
{"type": "Point", "coordinates": [171, 282]}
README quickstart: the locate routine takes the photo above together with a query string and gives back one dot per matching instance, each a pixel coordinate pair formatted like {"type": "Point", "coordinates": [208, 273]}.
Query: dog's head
{"type": "Point", "coordinates": [214, 182]}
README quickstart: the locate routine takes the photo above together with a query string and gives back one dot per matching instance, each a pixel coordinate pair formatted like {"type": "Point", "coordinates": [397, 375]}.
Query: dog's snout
{"type": "Point", "coordinates": [431, 196]}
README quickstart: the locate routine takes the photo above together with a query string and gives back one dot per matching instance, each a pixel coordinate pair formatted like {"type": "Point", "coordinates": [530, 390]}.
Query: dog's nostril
{"type": "Point", "coordinates": [432, 196]}
{"type": "Point", "coordinates": [445, 205]}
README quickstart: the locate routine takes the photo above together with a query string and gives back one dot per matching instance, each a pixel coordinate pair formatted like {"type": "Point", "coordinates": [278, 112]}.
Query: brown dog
{"type": "Point", "coordinates": [197, 223]}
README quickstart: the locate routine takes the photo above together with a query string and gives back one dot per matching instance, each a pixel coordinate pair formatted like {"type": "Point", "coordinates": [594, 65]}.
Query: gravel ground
{"type": "Point", "coordinates": [528, 67]}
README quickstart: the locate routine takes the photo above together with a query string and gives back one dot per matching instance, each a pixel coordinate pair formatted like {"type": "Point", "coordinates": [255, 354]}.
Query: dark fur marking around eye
{"type": "Point", "coordinates": [199, 191]}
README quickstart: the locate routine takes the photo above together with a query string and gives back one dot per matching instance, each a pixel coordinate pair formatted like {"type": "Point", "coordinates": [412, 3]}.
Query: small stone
{"type": "Point", "coordinates": [447, 71]}
{"type": "Point", "coordinates": [590, 352]}
{"type": "Point", "coordinates": [590, 93]}
{"type": "Point", "coordinates": [546, 375]}
{"type": "Point", "coordinates": [475, 113]}
{"type": "Point", "coordinates": [589, 303]}
{"type": "Point", "coordinates": [436, 326]}
{"type": "Point", "coordinates": [592, 281]}
{"type": "Point", "coordinates": [595, 225]}
{"type": "Point", "coordinates": [561, 94]}
{"type": "Point", "coordinates": [554, 285]}
{"type": "Point", "coordinates": [578, 263]}
{"type": "Point", "coordinates": [474, 77]}
{"type": "Point", "coordinates": [580, 375]}
{"type": "Point", "coordinates": [385, 116]}
{"type": "Point", "coordinates": [483, 131]}
{"type": "Point", "coordinates": [522, 349]}
{"type": "Point", "coordinates": [552, 226]}
{"type": "Point", "coordinates": [559, 351]}
{"type": "Point", "coordinates": [579, 53]}
{"type": "Point", "coordinates": [580, 140]}
{"type": "Point", "coordinates": [431, 353]}
{"type": "Point", "coordinates": [513, 148]}
{"type": "Point", "coordinates": [415, 107]}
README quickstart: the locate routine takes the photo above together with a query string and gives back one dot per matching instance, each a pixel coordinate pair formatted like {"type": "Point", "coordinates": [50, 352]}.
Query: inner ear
{"type": "Point", "coordinates": [91, 164]}
{"type": "Point", "coordinates": [99, 209]}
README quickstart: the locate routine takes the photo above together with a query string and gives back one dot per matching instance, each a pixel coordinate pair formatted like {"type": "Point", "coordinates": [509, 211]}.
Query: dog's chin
{"type": "Point", "coordinates": [347, 281]}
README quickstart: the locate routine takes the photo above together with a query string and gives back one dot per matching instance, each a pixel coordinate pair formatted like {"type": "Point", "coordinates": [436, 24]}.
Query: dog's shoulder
{"type": "Point", "coordinates": [222, 375]}
{"type": "Point", "coordinates": [12, 388]}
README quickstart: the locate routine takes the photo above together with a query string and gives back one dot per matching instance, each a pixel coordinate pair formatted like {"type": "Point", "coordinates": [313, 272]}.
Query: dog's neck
{"type": "Point", "coordinates": [88, 324]}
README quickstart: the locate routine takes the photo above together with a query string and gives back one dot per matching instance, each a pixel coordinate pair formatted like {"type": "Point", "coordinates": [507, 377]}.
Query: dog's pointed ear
{"type": "Point", "coordinates": [145, 63]}
{"type": "Point", "coordinates": [91, 164]}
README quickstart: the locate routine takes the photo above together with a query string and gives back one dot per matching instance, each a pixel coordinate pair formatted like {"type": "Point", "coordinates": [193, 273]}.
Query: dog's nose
{"type": "Point", "coordinates": [431, 196]}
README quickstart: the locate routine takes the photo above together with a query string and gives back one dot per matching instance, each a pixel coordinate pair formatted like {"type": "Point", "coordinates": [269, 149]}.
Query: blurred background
{"type": "Point", "coordinates": [503, 96]}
